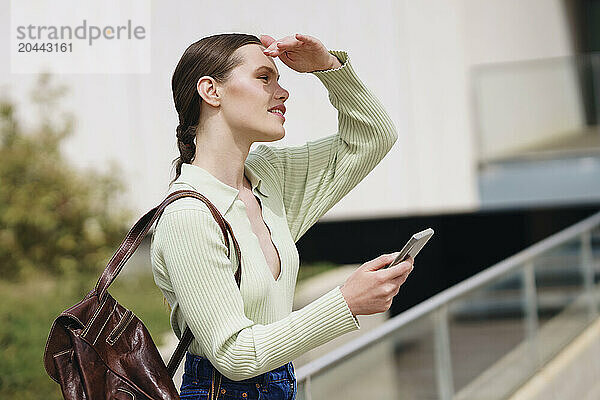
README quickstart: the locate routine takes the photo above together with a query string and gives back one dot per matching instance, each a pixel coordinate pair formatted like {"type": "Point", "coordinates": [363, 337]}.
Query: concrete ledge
{"type": "Point", "coordinates": [572, 374]}
{"type": "Point", "coordinates": [517, 368]}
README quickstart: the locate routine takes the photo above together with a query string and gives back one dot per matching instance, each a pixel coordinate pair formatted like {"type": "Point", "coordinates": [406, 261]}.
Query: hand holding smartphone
{"type": "Point", "coordinates": [413, 246]}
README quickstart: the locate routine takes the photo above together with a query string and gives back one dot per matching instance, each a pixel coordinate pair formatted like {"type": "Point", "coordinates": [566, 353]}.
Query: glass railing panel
{"type": "Point", "coordinates": [401, 366]}
{"type": "Point", "coordinates": [414, 360]}
{"type": "Point", "coordinates": [563, 308]}
{"type": "Point", "coordinates": [537, 107]}
{"type": "Point", "coordinates": [303, 389]}
{"type": "Point", "coordinates": [488, 330]}
{"type": "Point", "coordinates": [595, 257]}
{"type": "Point", "coordinates": [594, 265]}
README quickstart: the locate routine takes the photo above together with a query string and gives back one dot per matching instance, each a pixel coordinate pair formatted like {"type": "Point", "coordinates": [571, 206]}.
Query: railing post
{"type": "Point", "coordinates": [595, 63]}
{"type": "Point", "coordinates": [307, 392]}
{"type": "Point", "coordinates": [531, 314]}
{"type": "Point", "coordinates": [443, 362]}
{"type": "Point", "coordinates": [587, 270]}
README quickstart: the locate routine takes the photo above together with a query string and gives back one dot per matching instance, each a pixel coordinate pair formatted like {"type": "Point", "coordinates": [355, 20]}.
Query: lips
{"type": "Point", "coordinates": [279, 107]}
{"type": "Point", "coordinates": [277, 113]}
{"type": "Point", "coordinates": [279, 110]}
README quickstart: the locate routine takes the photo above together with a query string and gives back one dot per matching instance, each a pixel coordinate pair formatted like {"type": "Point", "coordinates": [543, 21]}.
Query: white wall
{"type": "Point", "coordinates": [527, 105]}
{"type": "Point", "coordinates": [514, 30]}
{"type": "Point", "coordinates": [534, 100]}
{"type": "Point", "coordinates": [415, 55]}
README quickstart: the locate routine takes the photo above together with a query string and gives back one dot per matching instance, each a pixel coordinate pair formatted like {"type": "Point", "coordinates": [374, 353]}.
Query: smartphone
{"type": "Point", "coordinates": [413, 246]}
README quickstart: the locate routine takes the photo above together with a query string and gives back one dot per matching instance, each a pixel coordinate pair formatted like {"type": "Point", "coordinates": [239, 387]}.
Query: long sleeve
{"type": "Point", "coordinates": [313, 177]}
{"type": "Point", "coordinates": [202, 278]}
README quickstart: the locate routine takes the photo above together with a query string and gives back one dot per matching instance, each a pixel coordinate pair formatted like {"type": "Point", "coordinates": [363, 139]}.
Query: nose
{"type": "Point", "coordinates": [282, 94]}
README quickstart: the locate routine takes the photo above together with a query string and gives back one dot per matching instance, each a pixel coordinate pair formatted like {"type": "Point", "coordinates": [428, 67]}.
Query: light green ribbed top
{"type": "Point", "coordinates": [253, 330]}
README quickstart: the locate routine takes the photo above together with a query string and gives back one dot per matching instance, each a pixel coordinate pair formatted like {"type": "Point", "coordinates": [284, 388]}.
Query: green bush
{"type": "Point", "coordinates": [53, 217]}
{"type": "Point", "coordinates": [59, 226]}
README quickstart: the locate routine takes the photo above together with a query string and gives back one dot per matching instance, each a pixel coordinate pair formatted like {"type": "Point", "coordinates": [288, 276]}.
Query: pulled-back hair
{"type": "Point", "coordinates": [211, 56]}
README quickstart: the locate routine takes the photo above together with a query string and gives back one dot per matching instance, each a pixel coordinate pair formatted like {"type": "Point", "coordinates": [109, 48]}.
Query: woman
{"type": "Point", "coordinates": [227, 95]}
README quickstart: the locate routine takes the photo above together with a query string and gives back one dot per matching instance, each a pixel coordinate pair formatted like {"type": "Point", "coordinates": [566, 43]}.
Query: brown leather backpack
{"type": "Point", "coordinates": [98, 349]}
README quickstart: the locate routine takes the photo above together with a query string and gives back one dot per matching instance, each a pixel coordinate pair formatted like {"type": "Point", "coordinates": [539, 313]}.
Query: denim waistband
{"type": "Point", "coordinates": [201, 367]}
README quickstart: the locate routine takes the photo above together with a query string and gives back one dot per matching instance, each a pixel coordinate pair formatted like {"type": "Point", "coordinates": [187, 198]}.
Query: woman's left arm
{"type": "Point", "coordinates": [313, 177]}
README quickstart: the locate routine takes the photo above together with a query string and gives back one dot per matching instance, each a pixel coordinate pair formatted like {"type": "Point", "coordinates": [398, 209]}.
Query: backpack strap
{"type": "Point", "coordinates": [134, 238]}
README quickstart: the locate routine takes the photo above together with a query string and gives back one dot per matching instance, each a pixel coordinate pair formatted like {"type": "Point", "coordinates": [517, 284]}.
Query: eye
{"type": "Point", "coordinates": [266, 77]}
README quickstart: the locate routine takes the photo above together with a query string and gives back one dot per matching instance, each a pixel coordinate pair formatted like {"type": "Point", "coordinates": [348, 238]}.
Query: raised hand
{"type": "Point", "coordinates": [302, 53]}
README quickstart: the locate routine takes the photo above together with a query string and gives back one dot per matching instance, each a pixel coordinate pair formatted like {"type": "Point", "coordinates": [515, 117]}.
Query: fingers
{"type": "Point", "coordinates": [399, 281]}
{"type": "Point", "coordinates": [308, 39]}
{"type": "Point", "coordinates": [394, 285]}
{"type": "Point", "coordinates": [269, 42]}
{"type": "Point", "coordinates": [380, 262]}
{"type": "Point", "coordinates": [397, 270]}
{"type": "Point", "coordinates": [266, 40]}
{"type": "Point", "coordinates": [402, 278]}
{"type": "Point", "coordinates": [276, 47]}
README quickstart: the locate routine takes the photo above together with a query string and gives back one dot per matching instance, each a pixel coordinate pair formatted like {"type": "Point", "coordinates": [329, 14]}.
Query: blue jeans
{"type": "Point", "coordinates": [201, 381]}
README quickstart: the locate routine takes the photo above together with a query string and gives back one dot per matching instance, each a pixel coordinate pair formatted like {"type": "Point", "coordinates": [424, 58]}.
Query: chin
{"type": "Point", "coordinates": [276, 136]}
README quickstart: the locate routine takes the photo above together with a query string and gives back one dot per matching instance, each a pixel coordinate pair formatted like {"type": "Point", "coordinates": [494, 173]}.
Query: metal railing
{"type": "Point", "coordinates": [490, 332]}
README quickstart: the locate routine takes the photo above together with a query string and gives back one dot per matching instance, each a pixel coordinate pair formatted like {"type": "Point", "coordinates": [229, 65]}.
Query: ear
{"type": "Point", "coordinates": [209, 91]}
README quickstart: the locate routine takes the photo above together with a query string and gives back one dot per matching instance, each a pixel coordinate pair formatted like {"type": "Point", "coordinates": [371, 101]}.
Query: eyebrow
{"type": "Point", "coordinates": [271, 70]}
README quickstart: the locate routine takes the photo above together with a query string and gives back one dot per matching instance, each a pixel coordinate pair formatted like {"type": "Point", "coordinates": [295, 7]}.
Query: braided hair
{"type": "Point", "coordinates": [185, 143]}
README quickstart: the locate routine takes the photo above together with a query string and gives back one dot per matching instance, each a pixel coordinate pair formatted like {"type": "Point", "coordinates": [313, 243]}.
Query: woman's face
{"type": "Point", "coordinates": [251, 90]}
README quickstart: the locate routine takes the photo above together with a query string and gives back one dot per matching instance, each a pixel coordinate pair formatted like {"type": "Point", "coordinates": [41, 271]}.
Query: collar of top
{"type": "Point", "coordinates": [219, 193]}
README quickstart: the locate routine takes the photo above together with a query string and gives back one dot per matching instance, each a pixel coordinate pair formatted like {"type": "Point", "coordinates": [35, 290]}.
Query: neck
{"type": "Point", "coordinates": [218, 153]}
